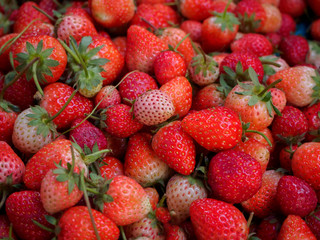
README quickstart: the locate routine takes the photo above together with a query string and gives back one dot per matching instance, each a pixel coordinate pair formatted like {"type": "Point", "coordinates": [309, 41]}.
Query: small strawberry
{"type": "Point", "coordinates": [71, 228]}
{"type": "Point", "coordinates": [119, 121]}
{"type": "Point", "coordinates": [214, 128]}
{"type": "Point", "coordinates": [175, 147]}
{"type": "Point", "coordinates": [213, 219]}
{"type": "Point", "coordinates": [7, 120]}
{"type": "Point", "coordinates": [174, 232]}
{"type": "Point", "coordinates": [153, 107]}
{"type": "Point", "coordinates": [112, 14]}
{"type": "Point", "coordinates": [108, 95]}
{"type": "Point", "coordinates": [295, 196]}
{"type": "Point", "coordinates": [285, 156]}
{"type": "Point", "coordinates": [294, 227]}
{"type": "Point", "coordinates": [130, 202]}
{"type": "Point", "coordinates": [305, 163]}
{"type": "Point", "coordinates": [142, 163]}
{"type": "Point", "coordinates": [294, 49]}
{"type": "Point", "coordinates": [111, 167]}
{"type": "Point", "coordinates": [264, 202]}
{"type": "Point", "coordinates": [181, 191]}
{"type": "Point", "coordinates": [208, 97]}
{"type": "Point", "coordinates": [23, 208]}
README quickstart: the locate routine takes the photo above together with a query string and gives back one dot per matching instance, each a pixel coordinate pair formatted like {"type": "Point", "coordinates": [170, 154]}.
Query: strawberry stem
{"type": "Point", "coordinates": [261, 134]}
{"type": "Point", "coordinates": [272, 85]}
{"type": "Point", "coordinates": [44, 13]}
{"type": "Point", "coordinates": [3, 198]}
{"type": "Point", "coordinates": [65, 46]}
{"type": "Point", "coordinates": [268, 62]}
{"type": "Point", "coordinates": [195, 47]}
{"type": "Point", "coordinates": [155, 29]}
{"type": "Point", "coordinates": [83, 65]}
{"type": "Point", "coordinates": [35, 78]}
{"type": "Point", "coordinates": [181, 41]}
{"type": "Point", "coordinates": [86, 199]}
{"type": "Point", "coordinates": [250, 219]}
{"type": "Point", "coordinates": [42, 226]}
{"type": "Point", "coordinates": [123, 235]}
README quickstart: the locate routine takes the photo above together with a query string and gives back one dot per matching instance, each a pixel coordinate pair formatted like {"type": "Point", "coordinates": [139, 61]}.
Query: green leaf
{"type": "Point", "coordinates": [253, 100]}
{"type": "Point", "coordinates": [50, 219]}
{"type": "Point", "coordinates": [62, 178]}
{"type": "Point", "coordinates": [39, 47]}
{"type": "Point", "coordinates": [253, 76]}
{"type": "Point", "coordinates": [98, 61]}
{"type": "Point", "coordinates": [30, 48]}
{"type": "Point", "coordinates": [71, 185]}
{"type": "Point", "coordinates": [84, 44]}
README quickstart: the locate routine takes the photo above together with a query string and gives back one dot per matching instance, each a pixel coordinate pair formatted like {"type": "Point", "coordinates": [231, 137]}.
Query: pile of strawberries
{"type": "Point", "coordinates": [159, 119]}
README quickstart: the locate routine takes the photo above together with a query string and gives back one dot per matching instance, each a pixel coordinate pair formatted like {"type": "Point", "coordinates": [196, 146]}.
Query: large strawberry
{"type": "Point", "coordinates": [112, 13]}
{"type": "Point", "coordinates": [234, 176]}
{"type": "Point", "coordinates": [213, 219]}
{"type": "Point", "coordinates": [175, 147]}
{"type": "Point", "coordinates": [214, 128]}
{"type": "Point", "coordinates": [23, 208]}
{"type": "Point", "coordinates": [72, 228]}
{"type": "Point", "coordinates": [142, 163]}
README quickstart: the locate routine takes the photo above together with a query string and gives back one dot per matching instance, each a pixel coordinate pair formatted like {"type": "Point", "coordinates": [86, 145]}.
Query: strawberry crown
{"type": "Point", "coordinates": [248, 23]}
{"type": "Point", "coordinates": [226, 19]}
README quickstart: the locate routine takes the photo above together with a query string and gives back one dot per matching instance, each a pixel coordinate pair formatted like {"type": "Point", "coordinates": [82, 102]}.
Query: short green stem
{"type": "Point", "coordinates": [82, 63]}
{"type": "Point", "coordinates": [261, 134]}
{"type": "Point", "coordinates": [35, 78]}
{"type": "Point", "coordinates": [272, 85]}
{"type": "Point", "coordinates": [42, 226]}
{"type": "Point", "coordinates": [181, 41]}
{"type": "Point", "coordinates": [44, 13]}
{"type": "Point", "coordinates": [123, 235]}
{"type": "Point", "coordinates": [65, 46]}
{"type": "Point", "coordinates": [93, 191]}
{"type": "Point", "coordinates": [270, 63]}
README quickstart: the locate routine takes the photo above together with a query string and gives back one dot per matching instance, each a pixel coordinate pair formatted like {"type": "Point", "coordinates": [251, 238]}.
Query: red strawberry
{"type": "Point", "coordinates": [181, 191]}
{"type": "Point", "coordinates": [4, 56]}
{"type": "Point", "coordinates": [72, 228]}
{"type": "Point", "coordinates": [5, 228]}
{"type": "Point", "coordinates": [254, 43]}
{"type": "Point", "coordinates": [11, 164]}
{"type": "Point", "coordinates": [286, 155]}
{"type": "Point", "coordinates": [174, 232]}
{"type": "Point", "coordinates": [293, 80]}
{"type": "Point", "coordinates": [142, 49]}
{"type": "Point", "coordinates": [112, 14]}
{"type": "Point", "coordinates": [269, 228]}
{"type": "Point", "coordinates": [295, 196]}
{"type": "Point", "coordinates": [213, 219]}
{"type": "Point", "coordinates": [130, 202]}
{"type": "Point", "coordinates": [153, 196]}
{"type": "Point", "coordinates": [135, 84]}
{"type": "Point", "coordinates": [264, 202]}
{"type": "Point", "coordinates": [294, 49]}
{"type": "Point", "coordinates": [305, 164]}
{"type": "Point", "coordinates": [168, 65]}
{"type": "Point", "coordinates": [288, 25]}
{"type": "Point", "coordinates": [193, 28]}
{"type": "Point", "coordinates": [196, 9]}
{"type": "Point", "coordinates": [108, 95]}
{"type": "Point", "coordinates": [158, 15]}
{"type": "Point", "coordinates": [295, 228]}
{"type": "Point", "coordinates": [7, 120]}
{"type": "Point", "coordinates": [294, 8]}
{"type": "Point", "coordinates": [234, 176]}
{"type": "Point", "coordinates": [311, 113]}
{"type": "Point", "coordinates": [153, 107]}
{"type": "Point", "coordinates": [111, 167]}
{"type": "Point", "coordinates": [87, 134]}
{"type": "Point", "coordinates": [163, 215]}
{"type": "Point", "coordinates": [259, 138]}
{"type": "Point", "coordinates": [56, 95]}
{"type": "Point", "coordinates": [208, 97]}
{"type": "Point", "coordinates": [215, 128]}
{"type": "Point", "coordinates": [24, 207]}
{"type": "Point", "coordinates": [175, 147]}
{"type": "Point", "coordinates": [142, 163]}
{"type": "Point", "coordinates": [313, 222]}
{"type": "Point", "coordinates": [119, 121]}
{"type": "Point", "coordinates": [180, 91]}
{"type": "Point", "coordinates": [48, 6]}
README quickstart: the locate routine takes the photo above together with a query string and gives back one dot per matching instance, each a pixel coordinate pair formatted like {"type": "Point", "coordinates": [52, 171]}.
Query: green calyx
{"type": "Point", "coordinates": [226, 19]}
{"type": "Point", "coordinates": [233, 77]}
{"type": "Point", "coordinates": [258, 92]}
{"type": "Point", "coordinates": [267, 63]}
{"type": "Point", "coordinates": [204, 64]}
{"type": "Point", "coordinates": [248, 23]}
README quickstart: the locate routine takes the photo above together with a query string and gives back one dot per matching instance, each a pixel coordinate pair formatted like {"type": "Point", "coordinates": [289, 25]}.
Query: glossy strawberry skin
{"type": "Point", "coordinates": [313, 222]}
{"type": "Point", "coordinates": [208, 97]}
{"type": "Point", "coordinates": [7, 120]}
{"type": "Point", "coordinates": [294, 49]}
{"type": "Point", "coordinates": [56, 95]}
{"type": "Point", "coordinates": [111, 167]}
{"type": "Point", "coordinates": [313, 119]}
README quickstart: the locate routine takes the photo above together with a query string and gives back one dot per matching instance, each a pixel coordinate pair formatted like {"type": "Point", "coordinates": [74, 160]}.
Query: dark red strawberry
{"type": "Point", "coordinates": [312, 115]}
{"type": "Point", "coordinates": [294, 49]}
{"type": "Point", "coordinates": [268, 228]}
{"type": "Point", "coordinates": [294, 8]}
{"type": "Point", "coordinates": [288, 25]}
{"type": "Point", "coordinates": [313, 222]}
{"type": "Point", "coordinates": [5, 228]}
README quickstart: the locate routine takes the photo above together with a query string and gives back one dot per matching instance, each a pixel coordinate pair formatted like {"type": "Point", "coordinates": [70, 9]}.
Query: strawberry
{"type": "Point", "coordinates": [121, 44]}
{"type": "Point", "coordinates": [135, 84]}
{"type": "Point", "coordinates": [5, 228]}
{"type": "Point", "coordinates": [291, 126]}
{"type": "Point", "coordinates": [142, 49]}
{"type": "Point", "coordinates": [203, 70]}
{"type": "Point", "coordinates": [112, 14]}
{"type": "Point", "coordinates": [264, 202]}
{"type": "Point", "coordinates": [181, 191]}
{"type": "Point", "coordinates": [108, 95]}
{"type": "Point", "coordinates": [313, 222]}
{"type": "Point", "coordinates": [145, 227]}
{"type": "Point", "coordinates": [223, 27]}
{"type": "Point", "coordinates": [214, 128]}
{"type": "Point", "coordinates": [294, 49]}
{"type": "Point", "coordinates": [180, 91]}
{"type": "Point", "coordinates": [117, 146]}
{"type": "Point", "coordinates": [294, 79]}
{"type": "Point", "coordinates": [196, 9]}
{"type": "Point", "coordinates": [294, 227]}
{"type": "Point", "coordinates": [168, 65]}
{"type": "Point", "coordinates": [49, 6]}
{"type": "Point", "coordinates": [213, 219]}
{"type": "Point", "coordinates": [261, 139]}
{"type": "Point", "coordinates": [87, 135]}
{"type": "Point", "coordinates": [311, 113]}
{"type": "Point", "coordinates": [26, 137]}
{"type": "Point", "coordinates": [7, 120]}
{"type": "Point", "coordinates": [285, 156]}
{"type": "Point", "coordinates": [71, 228]}
{"type": "Point", "coordinates": [23, 208]}
{"type": "Point", "coordinates": [141, 162]}
{"type": "Point", "coordinates": [257, 150]}
{"type": "Point", "coordinates": [130, 202]}
{"type": "Point", "coordinates": [177, 39]}
{"type": "Point", "coordinates": [207, 97]}
{"type": "Point", "coordinates": [234, 176]}
{"type": "Point", "coordinates": [254, 43]}
{"type": "Point", "coordinates": [288, 25]}
{"type": "Point", "coordinates": [153, 196]}
{"type": "Point", "coordinates": [268, 228]}
{"type": "Point", "coordinates": [45, 160]}
{"type": "Point", "coordinates": [56, 95]}
{"type": "Point", "coordinates": [111, 167]}
{"type": "Point", "coordinates": [59, 194]}
{"type": "Point", "coordinates": [4, 56]}
{"type": "Point", "coordinates": [273, 18]}
{"type": "Point", "coordinates": [174, 232]}
{"type": "Point", "coordinates": [305, 163]}
{"type": "Point", "coordinates": [11, 165]}
{"type": "Point", "coordinates": [163, 214]}
{"type": "Point", "coordinates": [119, 121]}
{"type": "Point", "coordinates": [194, 28]}
{"type": "Point", "coordinates": [175, 147]}
{"type": "Point", "coordinates": [294, 8]}
{"type": "Point", "coordinates": [295, 196]}
{"type": "Point", "coordinates": [158, 15]}
{"type": "Point", "coordinates": [153, 107]}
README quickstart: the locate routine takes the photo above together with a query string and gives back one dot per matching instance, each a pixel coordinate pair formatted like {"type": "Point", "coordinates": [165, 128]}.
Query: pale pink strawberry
{"type": "Point", "coordinates": [153, 107]}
